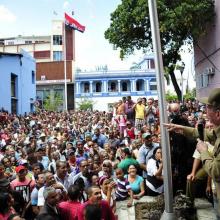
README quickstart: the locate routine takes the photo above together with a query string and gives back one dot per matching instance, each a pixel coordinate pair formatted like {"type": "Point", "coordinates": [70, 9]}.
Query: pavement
{"type": "Point", "coordinates": [205, 210]}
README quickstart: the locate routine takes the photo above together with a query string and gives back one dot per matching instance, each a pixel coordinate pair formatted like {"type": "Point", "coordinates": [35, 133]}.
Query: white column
{"type": "Point", "coordinates": [131, 85]}
{"type": "Point", "coordinates": [134, 85]}
{"type": "Point", "coordinates": [77, 87]}
{"type": "Point", "coordinates": [147, 85]}
{"type": "Point", "coordinates": [119, 85]}
{"type": "Point", "coordinates": [104, 86]}
{"type": "Point", "coordinates": [90, 86]}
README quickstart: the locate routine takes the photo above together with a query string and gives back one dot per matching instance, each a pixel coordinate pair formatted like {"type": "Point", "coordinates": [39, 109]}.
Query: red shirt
{"type": "Point", "coordinates": [69, 210]}
{"type": "Point", "coordinates": [107, 213]}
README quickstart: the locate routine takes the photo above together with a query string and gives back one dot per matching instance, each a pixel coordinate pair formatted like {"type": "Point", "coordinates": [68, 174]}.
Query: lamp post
{"type": "Point", "coordinates": [168, 189]}
{"type": "Point", "coordinates": [181, 69]}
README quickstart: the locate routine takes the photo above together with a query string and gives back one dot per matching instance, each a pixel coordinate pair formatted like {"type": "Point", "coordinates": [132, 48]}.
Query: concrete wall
{"type": "Point", "coordinates": [8, 65]}
{"type": "Point", "coordinates": [22, 67]}
{"type": "Point", "coordinates": [28, 85]}
{"type": "Point", "coordinates": [103, 103]}
{"type": "Point", "coordinates": [207, 53]}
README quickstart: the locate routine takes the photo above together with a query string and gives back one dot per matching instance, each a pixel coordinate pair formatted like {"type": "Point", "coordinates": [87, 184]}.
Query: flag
{"type": "Point", "coordinates": [71, 22]}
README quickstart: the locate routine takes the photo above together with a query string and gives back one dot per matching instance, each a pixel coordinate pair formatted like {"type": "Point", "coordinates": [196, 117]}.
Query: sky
{"type": "Point", "coordinates": [33, 17]}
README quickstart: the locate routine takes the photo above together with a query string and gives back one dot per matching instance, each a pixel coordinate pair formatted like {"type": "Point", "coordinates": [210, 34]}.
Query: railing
{"type": "Point", "coordinates": [112, 94]}
{"type": "Point", "coordinates": [108, 74]}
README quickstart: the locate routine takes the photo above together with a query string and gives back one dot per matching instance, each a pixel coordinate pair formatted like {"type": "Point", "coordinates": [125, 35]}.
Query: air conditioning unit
{"type": "Point", "coordinates": [211, 71]}
{"type": "Point", "coordinates": [43, 77]}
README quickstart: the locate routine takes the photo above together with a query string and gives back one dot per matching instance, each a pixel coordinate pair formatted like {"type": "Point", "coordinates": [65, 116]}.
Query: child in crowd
{"type": "Point", "coordinates": [123, 189]}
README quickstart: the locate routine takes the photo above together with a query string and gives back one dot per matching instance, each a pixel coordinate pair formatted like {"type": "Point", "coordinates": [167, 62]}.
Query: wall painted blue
{"type": "Point", "coordinates": [21, 65]}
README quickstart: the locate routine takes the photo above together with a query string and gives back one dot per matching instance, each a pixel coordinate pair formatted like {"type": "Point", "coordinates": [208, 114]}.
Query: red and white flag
{"type": "Point", "coordinates": [72, 23]}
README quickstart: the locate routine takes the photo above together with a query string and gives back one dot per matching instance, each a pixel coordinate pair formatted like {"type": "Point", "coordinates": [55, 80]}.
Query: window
{"type": "Point", "coordinates": [13, 85]}
{"type": "Point", "coordinates": [28, 42]}
{"type": "Point", "coordinates": [14, 105]}
{"type": "Point", "coordinates": [202, 80]}
{"type": "Point", "coordinates": [112, 87]}
{"type": "Point", "coordinates": [86, 87]}
{"type": "Point", "coordinates": [98, 87]}
{"type": "Point", "coordinates": [139, 85]}
{"type": "Point", "coordinates": [11, 43]}
{"type": "Point", "coordinates": [57, 55]}
{"type": "Point", "coordinates": [33, 77]}
{"type": "Point", "coordinates": [13, 93]}
{"type": "Point", "coordinates": [153, 87]}
{"type": "Point", "coordinates": [57, 39]}
{"type": "Point", "coordinates": [124, 86]}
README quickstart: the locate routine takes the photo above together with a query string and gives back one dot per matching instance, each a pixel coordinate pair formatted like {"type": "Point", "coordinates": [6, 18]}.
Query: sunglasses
{"type": "Point", "coordinates": [106, 165]}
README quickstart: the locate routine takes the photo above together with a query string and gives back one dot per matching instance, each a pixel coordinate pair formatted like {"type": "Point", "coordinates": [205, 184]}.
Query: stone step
{"type": "Point", "coordinates": [204, 210]}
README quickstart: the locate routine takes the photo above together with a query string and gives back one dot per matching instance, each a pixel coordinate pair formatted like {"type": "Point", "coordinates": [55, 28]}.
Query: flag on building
{"type": "Point", "coordinates": [72, 23]}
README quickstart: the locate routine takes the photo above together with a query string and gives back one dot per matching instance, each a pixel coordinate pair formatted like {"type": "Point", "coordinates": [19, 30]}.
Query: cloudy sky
{"type": "Point", "coordinates": [33, 17]}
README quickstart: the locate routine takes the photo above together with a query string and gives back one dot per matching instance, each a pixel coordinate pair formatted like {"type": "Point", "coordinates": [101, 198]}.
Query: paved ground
{"type": "Point", "coordinates": [204, 208]}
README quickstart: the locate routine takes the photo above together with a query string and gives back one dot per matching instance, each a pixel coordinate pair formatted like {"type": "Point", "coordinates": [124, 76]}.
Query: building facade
{"type": "Point", "coordinates": [18, 82]}
{"type": "Point", "coordinates": [49, 54]}
{"type": "Point", "coordinates": [104, 88]}
{"type": "Point", "coordinates": [207, 57]}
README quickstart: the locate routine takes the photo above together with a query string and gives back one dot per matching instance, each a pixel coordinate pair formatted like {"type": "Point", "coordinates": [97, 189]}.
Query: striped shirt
{"type": "Point", "coordinates": [122, 189]}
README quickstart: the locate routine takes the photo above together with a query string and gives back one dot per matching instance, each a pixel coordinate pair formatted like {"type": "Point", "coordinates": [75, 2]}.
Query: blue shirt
{"type": "Point", "coordinates": [45, 162]}
{"type": "Point", "coordinates": [100, 140]}
{"type": "Point", "coordinates": [135, 186]}
{"type": "Point", "coordinates": [144, 154]}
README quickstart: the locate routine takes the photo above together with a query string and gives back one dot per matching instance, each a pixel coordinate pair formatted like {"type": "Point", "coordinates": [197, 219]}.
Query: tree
{"type": "Point", "coordinates": [53, 103]}
{"type": "Point", "coordinates": [181, 22]}
{"type": "Point", "coordinates": [85, 104]}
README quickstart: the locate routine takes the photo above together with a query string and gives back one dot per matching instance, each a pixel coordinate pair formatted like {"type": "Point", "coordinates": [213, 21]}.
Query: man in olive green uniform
{"type": "Point", "coordinates": [211, 163]}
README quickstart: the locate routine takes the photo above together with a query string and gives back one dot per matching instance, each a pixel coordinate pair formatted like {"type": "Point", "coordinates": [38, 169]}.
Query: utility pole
{"type": "Point", "coordinates": [168, 189]}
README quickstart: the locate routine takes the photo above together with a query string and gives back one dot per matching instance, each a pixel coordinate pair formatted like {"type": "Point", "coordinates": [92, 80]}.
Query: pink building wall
{"type": "Point", "coordinates": [209, 46]}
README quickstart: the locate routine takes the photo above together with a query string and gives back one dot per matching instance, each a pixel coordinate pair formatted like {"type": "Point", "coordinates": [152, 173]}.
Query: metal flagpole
{"type": "Point", "coordinates": [64, 51]}
{"type": "Point", "coordinates": [168, 189]}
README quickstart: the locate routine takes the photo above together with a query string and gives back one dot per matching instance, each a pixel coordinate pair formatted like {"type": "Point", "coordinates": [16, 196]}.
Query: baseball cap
{"type": "Point", "coordinates": [139, 100]}
{"type": "Point", "coordinates": [19, 168]}
{"type": "Point", "coordinates": [127, 151]}
{"type": "Point", "coordinates": [146, 135]}
{"type": "Point", "coordinates": [213, 99]}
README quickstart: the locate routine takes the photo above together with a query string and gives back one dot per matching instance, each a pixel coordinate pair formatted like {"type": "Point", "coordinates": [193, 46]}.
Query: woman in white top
{"type": "Point", "coordinates": [154, 181]}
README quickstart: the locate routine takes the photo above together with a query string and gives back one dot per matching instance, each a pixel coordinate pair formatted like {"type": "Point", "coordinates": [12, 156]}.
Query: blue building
{"type": "Point", "coordinates": [18, 82]}
{"type": "Point", "coordinates": [105, 87]}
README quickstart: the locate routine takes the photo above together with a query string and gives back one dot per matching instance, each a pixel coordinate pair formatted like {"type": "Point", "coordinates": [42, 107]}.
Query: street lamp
{"type": "Point", "coordinates": [181, 69]}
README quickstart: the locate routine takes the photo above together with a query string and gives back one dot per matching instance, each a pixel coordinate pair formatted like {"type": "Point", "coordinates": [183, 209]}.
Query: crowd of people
{"type": "Point", "coordinates": [79, 164]}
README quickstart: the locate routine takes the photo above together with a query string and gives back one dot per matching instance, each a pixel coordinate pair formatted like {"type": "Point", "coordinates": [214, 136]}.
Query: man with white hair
{"type": "Point", "coordinates": [49, 210]}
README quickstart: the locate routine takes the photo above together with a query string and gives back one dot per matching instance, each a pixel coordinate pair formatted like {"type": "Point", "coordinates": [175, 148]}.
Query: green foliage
{"type": "Point", "coordinates": [190, 95]}
{"type": "Point", "coordinates": [53, 103]}
{"type": "Point", "coordinates": [170, 96]}
{"type": "Point", "coordinates": [85, 104]}
{"type": "Point", "coordinates": [181, 22]}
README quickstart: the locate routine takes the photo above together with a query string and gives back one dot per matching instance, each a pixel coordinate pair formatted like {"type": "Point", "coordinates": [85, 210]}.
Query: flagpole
{"type": "Point", "coordinates": [64, 50]}
{"type": "Point", "coordinates": [168, 189]}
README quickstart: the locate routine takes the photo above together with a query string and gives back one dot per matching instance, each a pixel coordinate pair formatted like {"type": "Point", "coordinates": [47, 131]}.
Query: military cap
{"type": "Point", "coordinates": [213, 99]}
